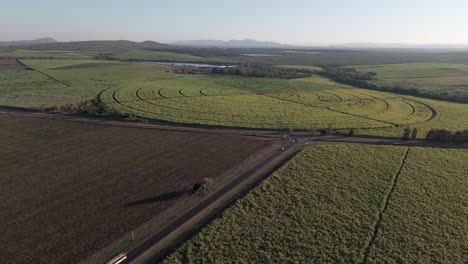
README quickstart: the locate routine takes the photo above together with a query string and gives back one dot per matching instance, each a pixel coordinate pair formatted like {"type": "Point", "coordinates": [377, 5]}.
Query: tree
{"type": "Point", "coordinates": [406, 133]}
{"type": "Point", "coordinates": [351, 132]}
{"type": "Point", "coordinates": [202, 187]}
{"type": "Point", "coordinates": [414, 134]}
{"type": "Point", "coordinates": [442, 135]}
{"type": "Point", "coordinates": [329, 130]}
{"type": "Point", "coordinates": [458, 137]}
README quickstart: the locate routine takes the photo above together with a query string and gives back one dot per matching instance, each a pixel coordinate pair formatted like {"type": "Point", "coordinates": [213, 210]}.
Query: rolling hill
{"type": "Point", "coordinates": [98, 45]}
{"type": "Point", "coordinates": [27, 42]}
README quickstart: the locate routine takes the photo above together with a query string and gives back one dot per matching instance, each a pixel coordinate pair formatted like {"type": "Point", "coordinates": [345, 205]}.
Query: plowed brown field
{"type": "Point", "coordinates": [69, 189]}
{"type": "Point", "coordinates": [10, 64]}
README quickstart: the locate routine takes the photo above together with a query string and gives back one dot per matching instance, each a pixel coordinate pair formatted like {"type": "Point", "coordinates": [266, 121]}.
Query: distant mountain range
{"type": "Point", "coordinates": [399, 46]}
{"type": "Point", "coordinates": [248, 43]}
{"type": "Point", "coordinates": [96, 45]}
{"type": "Point", "coordinates": [27, 42]}
{"type": "Point", "coordinates": [125, 45]}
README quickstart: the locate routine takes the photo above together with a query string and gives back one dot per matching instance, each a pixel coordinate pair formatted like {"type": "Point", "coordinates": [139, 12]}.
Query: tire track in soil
{"type": "Point", "coordinates": [149, 101]}
{"type": "Point", "coordinates": [434, 112]}
{"type": "Point", "coordinates": [340, 100]}
{"type": "Point", "coordinates": [202, 93]}
{"type": "Point", "coordinates": [373, 97]}
{"type": "Point", "coordinates": [384, 209]}
{"type": "Point", "coordinates": [332, 110]}
{"type": "Point", "coordinates": [181, 93]}
{"type": "Point", "coordinates": [117, 101]}
{"type": "Point", "coordinates": [413, 109]}
{"type": "Point", "coordinates": [153, 113]}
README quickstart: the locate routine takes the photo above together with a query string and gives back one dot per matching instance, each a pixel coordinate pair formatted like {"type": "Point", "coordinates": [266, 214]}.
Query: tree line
{"type": "Point", "coordinates": [444, 135]}
{"type": "Point", "coordinates": [263, 71]}
{"type": "Point", "coordinates": [360, 79]}
{"type": "Point", "coordinates": [441, 135]}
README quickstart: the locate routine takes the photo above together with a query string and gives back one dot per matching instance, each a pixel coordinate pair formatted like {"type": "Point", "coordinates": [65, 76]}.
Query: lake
{"type": "Point", "coordinates": [187, 64]}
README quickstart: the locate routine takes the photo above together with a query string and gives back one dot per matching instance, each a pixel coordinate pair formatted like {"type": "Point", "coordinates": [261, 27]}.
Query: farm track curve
{"type": "Point", "coordinates": [333, 110]}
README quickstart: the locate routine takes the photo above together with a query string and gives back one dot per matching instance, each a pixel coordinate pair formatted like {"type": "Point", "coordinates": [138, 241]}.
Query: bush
{"type": "Point", "coordinates": [91, 107]}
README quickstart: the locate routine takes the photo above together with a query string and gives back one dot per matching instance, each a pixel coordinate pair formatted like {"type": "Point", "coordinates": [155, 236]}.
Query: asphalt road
{"type": "Point", "coordinates": [234, 131]}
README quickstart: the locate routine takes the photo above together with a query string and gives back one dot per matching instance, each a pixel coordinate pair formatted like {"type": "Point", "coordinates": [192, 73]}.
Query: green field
{"type": "Point", "coordinates": [324, 205]}
{"type": "Point", "coordinates": [31, 89]}
{"type": "Point", "coordinates": [85, 79]}
{"type": "Point", "coordinates": [49, 54]}
{"type": "Point", "coordinates": [146, 55]}
{"type": "Point", "coordinates": [446, 80]}
{"type": "Point", "coordinates": [300, 67]}
{"type": "Point", "coordinates": [154, 92]}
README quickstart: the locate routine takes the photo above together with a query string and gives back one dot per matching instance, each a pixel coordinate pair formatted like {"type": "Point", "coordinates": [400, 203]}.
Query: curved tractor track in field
{"type": "Point", "coordinates": [200, 106]}
{"type": "Point", "coordinates": [127, 104]}
{"type": "Point", "coordinates": [434, 112]}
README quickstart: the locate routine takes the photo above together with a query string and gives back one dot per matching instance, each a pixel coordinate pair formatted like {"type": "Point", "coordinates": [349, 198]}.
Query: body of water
{"type": "Point", "coordinates": [187, 64]}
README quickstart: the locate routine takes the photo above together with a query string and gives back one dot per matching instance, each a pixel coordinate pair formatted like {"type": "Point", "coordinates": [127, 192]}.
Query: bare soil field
{"type": "Point", "coordinates": [11, 64]}
{"type": "Point", "coordinates": [69, 189]}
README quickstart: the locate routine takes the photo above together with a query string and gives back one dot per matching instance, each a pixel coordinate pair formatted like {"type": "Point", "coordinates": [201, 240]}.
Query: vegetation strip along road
{"type": "Point", "coordinates": [158, 237]}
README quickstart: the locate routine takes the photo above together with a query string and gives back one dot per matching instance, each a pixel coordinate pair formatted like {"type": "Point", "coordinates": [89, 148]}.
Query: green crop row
{"type": "Point", "coordinates": [323, 207]}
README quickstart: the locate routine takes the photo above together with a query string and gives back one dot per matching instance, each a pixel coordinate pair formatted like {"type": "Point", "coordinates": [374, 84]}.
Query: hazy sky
{"type": "Point", "coordinates": [285, 21]}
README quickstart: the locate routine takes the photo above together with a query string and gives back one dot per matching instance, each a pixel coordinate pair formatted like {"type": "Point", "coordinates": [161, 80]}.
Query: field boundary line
{"type": "Point", "coordinates": [384, 209]}
{"type": "Point", "coordinates": [45, 74]}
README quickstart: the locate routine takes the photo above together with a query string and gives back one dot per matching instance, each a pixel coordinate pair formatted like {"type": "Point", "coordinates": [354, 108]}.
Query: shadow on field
{"type": "Point", "coordinates": [161, 198]}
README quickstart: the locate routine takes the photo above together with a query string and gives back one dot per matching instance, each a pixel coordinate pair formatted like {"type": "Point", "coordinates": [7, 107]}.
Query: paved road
{"type": "Point", "coordinates": [136, 124]}
{"type": "Point", "coordinates": [234, 131]}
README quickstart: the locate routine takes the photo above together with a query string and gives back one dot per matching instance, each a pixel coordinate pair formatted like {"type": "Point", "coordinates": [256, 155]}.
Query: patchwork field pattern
{"type": "Point", "coordinates": [324, 206]}
{"type": "Point", "coordinates": [154, 92]}
{"type": "Point", "coordinates": [444, 79]}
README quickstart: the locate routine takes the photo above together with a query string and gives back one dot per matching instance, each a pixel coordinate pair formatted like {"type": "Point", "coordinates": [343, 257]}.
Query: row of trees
{"type": "Point", "coordinates": [362, 80]}
{"type": "Point", "coordinates": [444, 135]}
{"type": "Point", "coordinates": [441, 135]}
{"type": "Point", "coordinates": [263, 71]}
{"type": "Point", "coordinates": [410, 133]}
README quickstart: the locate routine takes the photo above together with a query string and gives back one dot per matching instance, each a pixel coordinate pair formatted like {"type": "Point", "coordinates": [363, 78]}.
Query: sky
{"type": "Point", "coordinates": [283, 21]}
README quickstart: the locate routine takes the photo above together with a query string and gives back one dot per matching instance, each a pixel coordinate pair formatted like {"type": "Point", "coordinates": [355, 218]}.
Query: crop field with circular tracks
{"type": "Point", "coordinates": [198, 101]}
{"type": "Point", "coordinates": [150, 91]}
